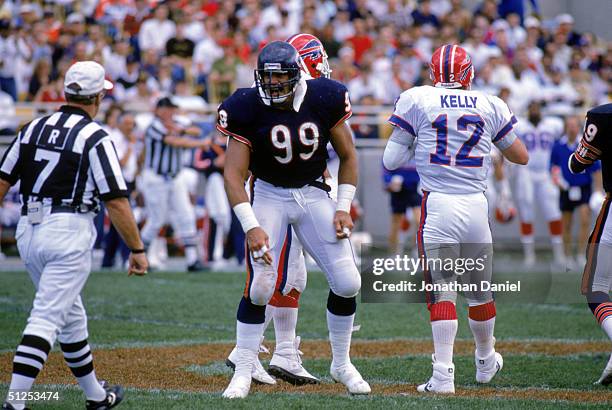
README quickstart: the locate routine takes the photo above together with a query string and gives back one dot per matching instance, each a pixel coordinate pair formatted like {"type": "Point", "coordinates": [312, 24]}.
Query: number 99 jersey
{"type": "Point", "coordinates": [454, 130]}
{"type": "Point", "coordinates": [288, 146]}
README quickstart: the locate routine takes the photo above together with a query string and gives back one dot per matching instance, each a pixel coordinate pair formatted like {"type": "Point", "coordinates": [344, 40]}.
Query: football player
{"type": "Point", "coordinates": [286, 361]}
{"type": "Point", "coordinates": [533, 185]}
{"type": "Point", "coordinates": [449, 129]}
{"type": "Point", "coordinates": [597, 276]}
{"type": "Point", "coordinates": [279, 131]}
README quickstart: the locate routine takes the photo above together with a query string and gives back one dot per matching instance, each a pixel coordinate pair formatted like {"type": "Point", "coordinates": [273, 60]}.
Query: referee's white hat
{"type": "Point", "coordinates": [86, 78]}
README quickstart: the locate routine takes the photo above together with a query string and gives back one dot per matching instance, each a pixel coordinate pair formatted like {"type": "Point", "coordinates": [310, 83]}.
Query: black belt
{"type": "Point", "coordinates": [63, 209]}
{"type": "Point", "coordinates": [321, 185]}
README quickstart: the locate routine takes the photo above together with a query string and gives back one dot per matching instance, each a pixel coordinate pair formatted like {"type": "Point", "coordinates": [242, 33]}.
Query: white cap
{"type": "Point", "coordinates": [531, 22]}
{"type": "Point", "coordinates": [500, 25]}
{"type": "Point", "coordinates": [85, 78]}
{"type": "Point", "coordinates": [565, 19]}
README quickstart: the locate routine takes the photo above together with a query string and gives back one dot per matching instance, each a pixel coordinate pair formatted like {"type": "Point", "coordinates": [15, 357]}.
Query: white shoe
{"type": "Point", "coordinates": [351, 378]}
{"type": "Point", "coordinates": [258, 374]}
{"type": "Point", "coordinates": [488, 367]}
{"type": "Point", "coordinates": [606, 375]}
{"type": "Point", "coordinates": [241, 381]}
{"type": "Point", "coordinates": [442, 380]}
{"type": "Point", "coordinates": [286, 364]}
{"type": "Point", "coordinates": [529, 260]}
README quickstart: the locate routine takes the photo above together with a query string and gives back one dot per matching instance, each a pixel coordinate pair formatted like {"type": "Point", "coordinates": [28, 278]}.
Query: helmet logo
{"type": "Point", "coordinates": [272, 66]}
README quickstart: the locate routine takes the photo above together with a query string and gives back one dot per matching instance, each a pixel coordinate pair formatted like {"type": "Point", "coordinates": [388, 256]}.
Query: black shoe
{"type": "Point", "coordinates": [114, 395]}
{"type": "Point", "coordinates": [8, 406]}
{"type": "Point", "coordinates": [197, 266]}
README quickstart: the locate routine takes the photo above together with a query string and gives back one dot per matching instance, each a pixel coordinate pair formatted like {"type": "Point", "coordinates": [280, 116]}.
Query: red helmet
{"type": "Point", "coordinates": [451, 67]}
{"type": "Point", "coordinates": [313, 54]}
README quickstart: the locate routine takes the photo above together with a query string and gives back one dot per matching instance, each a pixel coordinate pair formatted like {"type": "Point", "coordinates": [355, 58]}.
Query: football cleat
{"type": "Point", "coordinates": [313, 54]}
{"type": "Point", "coordinates": [114, 396]}
{"type": "Point", "coordinates": [286, 364]}
{"type": "Point", "coordinates": [451, 67]}
{"type": "Point", "coordinates": [351, 378]}
{"type": "Point", "coordinates": [9, 406]}
{"type": "Point", "coordinates": [488, 367]}
{"type": "Point", "coordinates": [442, 381]}
{"type": "Point", "coordinates": [606, 375]}
{"type": "Point", "coordinates": [240, 384]}
{"type": "Point", "coordinates": [258, 374]}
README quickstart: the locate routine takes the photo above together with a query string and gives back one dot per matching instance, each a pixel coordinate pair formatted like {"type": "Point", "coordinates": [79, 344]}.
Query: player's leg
{"type": "Point", "coordinates": [567, 208]}
{"type": "Point", "coordinates": [597, 278]}
{"type": "Point", "coordinates": [584, 213]}
{"type": "Point", "coordinates": [524, 200]}
{"type": "Point", "coordinates": [156, 191]}
{"type": "Point", "coordinates": [399, 204]}
{"type": "Point", "coordinates": [261, 280]}
{"type": "Point", "coordinates": [286, 362]}
{"type": "Point", "coordinates": [314, 227]}
{"type": "Point", "coordinates": [547, 197]}
{"type": "Point", "coordinates": [184, 218]}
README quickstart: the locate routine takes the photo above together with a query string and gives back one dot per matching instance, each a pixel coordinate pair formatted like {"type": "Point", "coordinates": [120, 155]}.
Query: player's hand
{"type": "Point", "coordinates": [138, 264]}
{"type": "Point", "coordinates": [343, 224]}
{"type": "Point", "coordinates": [259, 245]}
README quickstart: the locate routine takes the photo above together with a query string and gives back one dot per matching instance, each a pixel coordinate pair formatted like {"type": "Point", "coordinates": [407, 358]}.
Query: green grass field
{"type": "Point", "coordinates": [181, 311]}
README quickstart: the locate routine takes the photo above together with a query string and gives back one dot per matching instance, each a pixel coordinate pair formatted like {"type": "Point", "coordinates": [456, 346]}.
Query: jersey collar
{"type": "Point", "coordinates": [70, 109]}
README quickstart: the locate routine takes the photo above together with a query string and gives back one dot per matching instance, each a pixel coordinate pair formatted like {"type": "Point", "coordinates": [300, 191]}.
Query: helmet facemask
{"type": "Point", "coordinates": [276, 84]}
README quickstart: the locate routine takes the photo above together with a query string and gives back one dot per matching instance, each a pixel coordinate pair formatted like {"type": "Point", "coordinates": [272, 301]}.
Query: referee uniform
{"type": "Point", "coordinates": [163, 191]}
{"type": "Point", "coordinates": [66, 164]}
{"type": "Point", "coordinates": [597, 275]}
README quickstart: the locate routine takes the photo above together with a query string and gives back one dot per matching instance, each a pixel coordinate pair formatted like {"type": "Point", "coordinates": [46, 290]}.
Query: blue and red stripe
{"type": "Point", "coordinates": [429, 296]}
{"type": "Point", "coordinates": [446, 54]}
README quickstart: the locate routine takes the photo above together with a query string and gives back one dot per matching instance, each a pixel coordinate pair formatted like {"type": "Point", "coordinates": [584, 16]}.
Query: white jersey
{"type": "Point", "coordinates": [454, 129]}
{"type": "Point", "coordinates": [539, 140]}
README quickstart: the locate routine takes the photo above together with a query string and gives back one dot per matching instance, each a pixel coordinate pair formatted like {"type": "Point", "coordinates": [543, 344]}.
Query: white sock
{"type": "Point", "coordinates": [285, 322]}
{"type": "Point", "coordinates": [248, 335]}
{"type": "Point", "coordinates": [557, 247]}
{"type": "Point", "coordinates": [191, 254]}
{"type": "Point", "coordinates": [606, 325]}
{"type": "Point", "coordinates": [340, 332]}
{"type": "Point", "coordinates": [444, 332]}
{"type": "Point", "coordinates": [91, 387]}
{"type": "Point", "coordinates": [483, 336]}
{"type": "Point", "coordinates": [528, 247]}
{"type": "Point", "coordinates": [269, 315]}
{"type": "Point", "coordinates": [21, 384]}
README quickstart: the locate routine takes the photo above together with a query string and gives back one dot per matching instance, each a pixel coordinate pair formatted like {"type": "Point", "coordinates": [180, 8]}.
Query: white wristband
{"type": "Point", "coordinates": [246, 216]}
{"type": "Point", "coordinates": [346, 193]}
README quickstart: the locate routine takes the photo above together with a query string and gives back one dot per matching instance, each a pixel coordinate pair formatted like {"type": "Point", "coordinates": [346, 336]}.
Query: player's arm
{"type": "Point", "coordinates": [4, 187]}
{"type": "Point", "coordinates": [9, 166]}
{"type": "Point", "coordinates": [238, 156]}
{"type": "Point", "coordinates": [348, 175]}
{"type": "Point", "coordinates": [590, 147]}
{"type": "Point", "coordinates": [186, 142]}
{"type": "Point", "coordinates": [399, 149]}
{"type": "Point", "coordinates": [516, 152]}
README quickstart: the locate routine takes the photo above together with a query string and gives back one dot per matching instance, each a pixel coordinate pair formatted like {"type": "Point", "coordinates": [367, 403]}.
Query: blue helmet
{"type": "Point", "coordinates": [277, 57]}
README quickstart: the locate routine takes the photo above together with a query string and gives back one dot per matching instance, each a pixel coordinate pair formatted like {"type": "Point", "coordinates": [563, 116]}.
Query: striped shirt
{"type": "Point", "coordinates": [64, 159]}
{"type": "Point", "coordinates": [161, 158]}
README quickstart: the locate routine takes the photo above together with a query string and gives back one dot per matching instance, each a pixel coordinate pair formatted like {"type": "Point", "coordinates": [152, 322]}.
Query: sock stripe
{"type": "Point", "coordinates": [77, 354]}
{"type": "Point", "coordinates": [31, 356]}
{"type": "Point", "coordinates": [32, 350]}
{"type": "Point", "coordinates": [83, 370]}
{"type": "Point", "coordinates": [603, 311]}
{"type": "Point", "coordinates": [36, 342]}
{"type": "Point", "coordinates": [73, 360]}
{"type": "Point", "coordinates": [73, 347]}
{"type": "Point", "coordinates": [25, 370]}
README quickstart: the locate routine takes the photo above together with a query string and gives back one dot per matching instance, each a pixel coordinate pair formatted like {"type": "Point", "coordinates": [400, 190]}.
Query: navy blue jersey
{"type": "Point", "coordinates": [288, 148]}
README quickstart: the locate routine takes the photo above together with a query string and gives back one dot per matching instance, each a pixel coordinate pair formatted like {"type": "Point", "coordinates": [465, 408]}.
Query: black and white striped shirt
{"type": "Point", "coordinates": [64, 159]}
{"type": "Point", "coordinates": [161, 158]}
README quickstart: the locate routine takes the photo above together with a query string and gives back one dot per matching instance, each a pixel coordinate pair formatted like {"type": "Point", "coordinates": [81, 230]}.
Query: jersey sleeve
{"type": "Point", "coordinates": [405, 114]}
{"type": "Point", "coordinates": [231, 119]}
{"type": "Point", "coordinates": [9, 166]}
{"type": "Point", "coordinates": [106, 170]}
{"type": "Point", "coordinates": [339, 108]}
{"type": "Point", "coordinates": [593, 141]}
{"type": "Point", "coordinates": [504, 123]}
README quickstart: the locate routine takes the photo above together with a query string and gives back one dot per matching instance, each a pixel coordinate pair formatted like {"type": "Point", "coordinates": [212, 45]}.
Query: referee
{"type": "Point", "coordinates": [66, 164]}
{"type": "Point", "coordinates": [166, 140]}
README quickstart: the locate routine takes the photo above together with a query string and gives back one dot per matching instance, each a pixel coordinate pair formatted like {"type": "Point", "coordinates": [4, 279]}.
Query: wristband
{"type": "Point", "coordinates": [135, 251]}
{"type": "Point", "coordinates": [346, 193]}
{"type": "Point", "coordinates": [246, 216]}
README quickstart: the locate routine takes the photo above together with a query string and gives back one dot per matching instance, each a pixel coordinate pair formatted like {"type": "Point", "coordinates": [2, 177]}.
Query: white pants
{"type": "Point", "coordinates": [57, 256]}
{"type": "Point", "coordinates": [217, 205]}
{"type": "Point", "coordinates": [296, 275]}
{"type": "Point", "coordinates": [597, 275]}
{"type": "Point", "coordinates": [161, 196]}
{"type": "Point", "coordinates": [310, 212]}
{"type": "Point", "coordinates": [457, 227]}
{"type": "Point", "coordinates": [531, 188]}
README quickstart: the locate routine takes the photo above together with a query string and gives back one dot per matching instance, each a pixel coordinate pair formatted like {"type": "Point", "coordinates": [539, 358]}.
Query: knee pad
{"type": "Point", "coordinates": [347, 281]}
{"type": "Point", "coordinates": [341, 306]}
{"type": "Point", "coordinates": [250, 313]}
{"type": "Point", "coordinates": [442, 311]}
{"type": "Point", "coordinates": [262, 286]}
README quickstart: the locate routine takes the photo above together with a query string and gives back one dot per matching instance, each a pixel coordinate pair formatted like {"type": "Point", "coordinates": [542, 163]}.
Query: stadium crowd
{"type": "Point", "coordinates": [200, 51]}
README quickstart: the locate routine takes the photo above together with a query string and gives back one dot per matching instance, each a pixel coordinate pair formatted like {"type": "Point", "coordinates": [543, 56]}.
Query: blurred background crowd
{"type": "Point", "coordinates": [200, 51]}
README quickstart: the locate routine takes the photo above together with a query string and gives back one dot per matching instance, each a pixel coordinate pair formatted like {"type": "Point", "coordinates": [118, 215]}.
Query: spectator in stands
{"type": "Point", "coordinates": [222, 76]}
{"type": "Point", "coordinates": [40, 78]}
{"type": "Point", "coordinates": [13, 46]}
{"type": "Point", "coordinates": [362, 126]}
{"type": "Point", "coordinates": [575, 189]}
{"type": "Point", "coordinates": [155, 32]}
{"type": "Point", "coordinates": [423, 15]}
{"type": "Point", "coordinates": [361, 41]}
{"type": "Point", "coordinates": [8, 119]}
{"type": "Point", "coordinates": [179, 46]}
